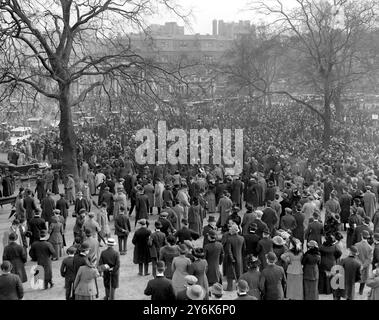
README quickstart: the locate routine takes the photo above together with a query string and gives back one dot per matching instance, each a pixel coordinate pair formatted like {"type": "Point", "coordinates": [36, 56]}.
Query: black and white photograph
{"type": "Point", "coordinates": [166, 151]}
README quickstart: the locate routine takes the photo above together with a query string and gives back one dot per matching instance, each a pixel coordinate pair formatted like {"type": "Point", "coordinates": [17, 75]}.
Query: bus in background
{"type": "Point", "coordinates": [20, 134]}
{"type": "Point", "coordinates": [35, 124]}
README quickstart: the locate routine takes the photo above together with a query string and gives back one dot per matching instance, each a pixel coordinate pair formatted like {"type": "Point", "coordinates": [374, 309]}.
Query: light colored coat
{"type": "Point", "coordinates": [85, 284]}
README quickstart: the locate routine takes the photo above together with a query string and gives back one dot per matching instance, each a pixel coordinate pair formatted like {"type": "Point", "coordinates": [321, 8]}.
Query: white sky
{"type": "Point", "coordinates": [204, 11]}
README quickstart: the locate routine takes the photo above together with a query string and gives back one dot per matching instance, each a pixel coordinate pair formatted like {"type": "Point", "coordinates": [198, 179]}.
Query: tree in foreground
{"type": "Point", "coordinates": [66, 49]}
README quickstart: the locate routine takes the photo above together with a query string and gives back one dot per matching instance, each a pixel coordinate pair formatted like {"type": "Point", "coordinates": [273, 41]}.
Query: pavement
{"type": "Point", "coordinates": [131, 285]}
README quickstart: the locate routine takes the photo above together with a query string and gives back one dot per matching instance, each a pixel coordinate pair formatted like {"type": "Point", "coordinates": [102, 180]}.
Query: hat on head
{"type": "Point", "coordinates": [278, 240]}
{"type": "Point", "coordinates": [365, 234]}
{"type": "Point", "coordinates": [111, 242]}
{"type": "Point", "coordinates": [88, 232]}
{"type": "Point", "coordinates": [211, 219]}
{"type": "Point", "coordinates": [82, 210]}
{"type": "Point", "coordinates": [164, 214]}
{"type": "Point", "coordinates": [190, 280]}
{"type": "Point", "coordinates": [158, 224]}
{"type": "Point", "coordinates": [312, 244]}
{"type": "Point", "coordinates": [43, 235]}
{"type": "Point", "coordinates": [57, 211]}
{"type": "Point", "coordinates": [271, 257]}
{"type": "Point", "coordinates": [107, 188]}
{"type": "Point", "coordinates": [183, 248]}
{"type": "Point", "coordinates": [91, 214]}
{"type": "Point", "coordinates": [354, 250]}
{"type": "Point", "coordinates": [80, 193]}
{"type": "Point", "coordinates": [198, 253]}
{"type": "Point", "coordinates": [195, 292]}
{"type": "Point", "coordinates": [142, 222]}
{"type": "Point", "coordinates": [367, 219]}
{"type": "Point", "coordinates": [217, 289]}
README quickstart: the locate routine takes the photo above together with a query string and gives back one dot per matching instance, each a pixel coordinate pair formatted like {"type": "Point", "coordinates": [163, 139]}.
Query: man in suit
{"type": "Point", "coordinates": [142, 205]}
{"type": "Point", "coordinates": [242, 291]}
{"type": "Point", "coordinates": [288, 222]}
{"type": "Point", "coordinates": [298, 232]}
{"type": "Point", "coordinates": [260, 224]}
{"type": "Point", "coordinates": [357, 235]}
{"type": "Point", "coordinates": [167, 227]}
{"type": "Point", "coordinates": [92, 225]}
{"type": "Point", "coordinates": [63, 206]}
{"type": "Point", "coordinates": [10, 284]}
{"type": "Point", "coordinates": [365, 254]}
{"type": "Point", "coordinates": [156, 242]}
{"type": "Point", "coordinates": [233, 262]}
{"type": "Point", "coordinates": [109, 263]}
{"type": "Point", "coordinates": [247, 219]}
{"type": "Point", "coordinates": [211, 226]}
{"type": "Point", "coordinates": [270, 218]}
{"type": "Point", "coordinates": [35, 226]}
{"type": "Point", "coordinates": [47, 206]}
{"type": "Point", "coordinates": [273, 279]}
{"type": "Point", "coordinates": [236, 192]}
{"type": "Point", "coordinates": [81, 257]}
{"type": "Point", "coordinates": [107, 197]}
{"type": "Point", "coordinates": [68, 272]}
{"type": "Point", "coordinates": [29, 205]}
{"type": "Point", "coordinates": [122, 230]}
{"type": "Point", "coordinates": [160, 288]}
{"type": "Point", "coordinates": [214, 255]}
{"type": "Point", "coordinates": [80, 203]}
{"type": "Point", "coordinates": [352, 269]}
{"type": "Point", "coordinates": [264, 246]}
{"type": "Point", "coordinates": [16, 254]}
{"type": "Point", "coordinates": [315, 230]}
{"type": "Point", "coordinates": [275, 204]}
{"type": "Point", "coordinates": [42, 251]}
{"type": "Point", "coordinates": [185, 233]}
{"type": "Point", "coordinates": [93, 244]}
{"type": "Point", "coordinates": [375, 258]}
{"type": "Point", "coordinates": [251, 243]}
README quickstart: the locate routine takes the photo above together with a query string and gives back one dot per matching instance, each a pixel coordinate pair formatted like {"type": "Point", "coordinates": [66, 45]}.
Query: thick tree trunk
{"type": "Point", "coordinates": [338, 104]}
{"type": "Point", "coordinates": [327, 124]}
{"type": "Point", "coordinates": [67, 134]}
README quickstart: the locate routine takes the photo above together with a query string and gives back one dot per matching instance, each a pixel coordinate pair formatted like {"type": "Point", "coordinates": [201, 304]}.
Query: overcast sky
{"type": "Point", "coordinates": [204, 11]}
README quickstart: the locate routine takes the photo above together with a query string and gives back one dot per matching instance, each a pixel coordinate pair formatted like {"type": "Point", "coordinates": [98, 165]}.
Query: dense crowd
{"type": "Point", "coordinates": [277, 231]}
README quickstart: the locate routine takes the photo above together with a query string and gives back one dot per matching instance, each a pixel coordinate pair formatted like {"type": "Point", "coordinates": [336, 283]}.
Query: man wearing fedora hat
{"type": "Point", "coordinates": [42, 251]}
{"type": "Point", "coordinates": [224, 207]}
{"type": "Point", "coordinates": [352, 268]}
{"type": "Point", "coordinates": [109, 263]}
{"type": "Point", "coordinates": [210, 226]}
{"type": "Point", "coordinates": [160, 288]}
{"type": "Point", "coordinates": [142, 205]}
{"type": "Point", "coordinates": [365, 254]}
{"type": "Point", "coordinates": [156, 241]}
{"type": "Point", "coordinates": [270, 218]}
{"type": "Point", "coordinates": [265, 245]}
{"type": "Point", "coordinates": [358, 231]}
{"type": "Point", "coordinates": [214, 255]}
{"type": "Point", "coordinates": [141, 255]}
{"type": "Point", "coordinates": [273, 279]}
{"type": "Point", "coordinates": [251, 243]}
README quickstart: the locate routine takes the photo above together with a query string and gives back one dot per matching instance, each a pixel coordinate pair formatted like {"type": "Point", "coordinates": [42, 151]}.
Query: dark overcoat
{"type": "Point", "coordinates": [141, 248]}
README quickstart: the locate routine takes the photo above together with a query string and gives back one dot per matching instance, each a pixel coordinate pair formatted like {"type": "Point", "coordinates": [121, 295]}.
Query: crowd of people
{"type": "Point", "coordinates": [276, 231]}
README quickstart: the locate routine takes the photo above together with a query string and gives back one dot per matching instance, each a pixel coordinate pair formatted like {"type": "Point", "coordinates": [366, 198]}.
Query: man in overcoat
{"type": "Point", "coordinates": [110, 260]}
{"type": "Point", "coordinates": [42, 251]}
{"type": "Point", "coordinates": [141, 254]}
{"type": "Point", "coordinates": [214, 255]}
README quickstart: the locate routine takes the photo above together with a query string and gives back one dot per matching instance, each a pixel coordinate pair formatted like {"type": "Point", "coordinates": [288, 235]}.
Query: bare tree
{"type": "Point", "coordinates": [323, 40]}
{"type": "Point", "coordinates": [66, 49]}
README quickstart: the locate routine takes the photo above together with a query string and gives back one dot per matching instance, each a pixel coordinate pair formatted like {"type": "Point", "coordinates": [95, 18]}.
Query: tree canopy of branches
{"type": "Point", "coordinates": [324, 50]}
{"type": "Point", "coordinates": [50, 46]}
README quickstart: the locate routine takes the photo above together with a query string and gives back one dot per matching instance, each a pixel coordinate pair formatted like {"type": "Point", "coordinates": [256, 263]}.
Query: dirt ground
{"type": "Point", "coordinates": [131, 285]}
